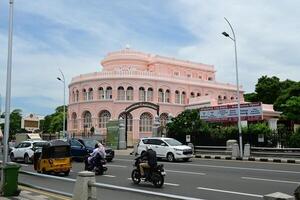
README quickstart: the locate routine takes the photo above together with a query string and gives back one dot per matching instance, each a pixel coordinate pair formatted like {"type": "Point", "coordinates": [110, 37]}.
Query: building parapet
{"type": "Point", "coordinates": [150, 76]}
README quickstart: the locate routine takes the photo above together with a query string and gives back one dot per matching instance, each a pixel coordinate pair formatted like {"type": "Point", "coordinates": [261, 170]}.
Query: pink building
{"type": "Point", "coordinates": [130, 76]}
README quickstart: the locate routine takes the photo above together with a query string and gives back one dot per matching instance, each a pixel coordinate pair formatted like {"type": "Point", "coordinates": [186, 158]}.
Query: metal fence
{"type": "Point", "coordinates": [254, 151]}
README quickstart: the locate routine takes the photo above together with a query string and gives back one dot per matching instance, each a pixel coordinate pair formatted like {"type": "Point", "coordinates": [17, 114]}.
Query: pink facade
{"type": "Point", "coordinates": [128, 77]}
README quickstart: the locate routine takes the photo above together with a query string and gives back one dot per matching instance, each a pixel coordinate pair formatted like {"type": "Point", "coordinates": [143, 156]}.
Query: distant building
{"type": "Point", "coordinates": [31, 122]}
{"type": "Point", "coordinates": [129, 77]}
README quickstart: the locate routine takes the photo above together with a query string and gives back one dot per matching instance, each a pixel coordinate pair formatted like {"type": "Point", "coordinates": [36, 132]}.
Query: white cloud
{"type": "Point", "coordinates": [76, 35]}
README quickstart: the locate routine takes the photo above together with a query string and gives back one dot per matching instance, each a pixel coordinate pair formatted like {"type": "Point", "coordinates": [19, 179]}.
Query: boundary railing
{"type": "Point", "coordinates": [96, 185]}
{"type": "Point", "coordinates": [215, 150]}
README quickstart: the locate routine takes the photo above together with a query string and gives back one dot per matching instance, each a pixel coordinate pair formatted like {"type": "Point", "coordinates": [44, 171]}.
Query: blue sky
{"type": "Point", "coordinates": [75, 35]}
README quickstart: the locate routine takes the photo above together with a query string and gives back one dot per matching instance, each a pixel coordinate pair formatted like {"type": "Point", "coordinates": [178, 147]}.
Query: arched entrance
{"type": "Point", "coordinates": [135, 106]}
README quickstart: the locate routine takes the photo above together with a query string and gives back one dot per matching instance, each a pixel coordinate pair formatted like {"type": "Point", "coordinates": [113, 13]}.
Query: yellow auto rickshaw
{"type": "Point", "coordinates": [53, 157]}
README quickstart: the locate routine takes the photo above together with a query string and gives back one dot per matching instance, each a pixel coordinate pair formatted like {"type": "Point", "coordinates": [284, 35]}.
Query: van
{"type": "Point", "coordinates": [168, 148]}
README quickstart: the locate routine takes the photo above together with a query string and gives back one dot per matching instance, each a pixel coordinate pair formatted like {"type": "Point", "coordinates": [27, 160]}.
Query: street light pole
{"type": "Point", "coordinates": [8, 89]}
{"type": "Point", "coordinates": [237, 86]}
{"type": "Point", "coordinates": [64, 118]}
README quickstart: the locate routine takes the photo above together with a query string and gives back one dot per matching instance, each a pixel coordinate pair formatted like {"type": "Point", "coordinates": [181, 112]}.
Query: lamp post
{"type": "Point", "coordinates": [64, 82]}
{"type": "Point", "coordinates": [8, 89]}
{"type": "Point", "coordinates": [237, 86]}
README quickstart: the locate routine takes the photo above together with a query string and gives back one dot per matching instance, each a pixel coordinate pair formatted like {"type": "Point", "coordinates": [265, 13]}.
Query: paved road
{"type": "Point", "coordinates": [202, 179]}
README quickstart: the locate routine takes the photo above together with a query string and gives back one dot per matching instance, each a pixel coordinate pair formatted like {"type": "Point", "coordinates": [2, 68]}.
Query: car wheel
{"type": "Point", "coordinates": [170, 157]}
{"type": "Point", "coordinates": [26, 159]}
{"type": "Point", "coordinates": [12, 157]}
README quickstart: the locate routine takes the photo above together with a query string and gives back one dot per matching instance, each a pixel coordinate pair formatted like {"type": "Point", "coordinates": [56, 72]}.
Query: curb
{"type": "Point", "coordinates": [275, 160]}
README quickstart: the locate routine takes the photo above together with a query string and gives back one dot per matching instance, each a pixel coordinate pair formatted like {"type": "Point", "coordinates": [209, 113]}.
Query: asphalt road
{"type": "Point", "coordinates": [199, 178]}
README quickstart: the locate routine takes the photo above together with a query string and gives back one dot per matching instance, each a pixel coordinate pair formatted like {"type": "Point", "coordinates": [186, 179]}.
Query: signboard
{"type": "Point", "coordinates": [188, 138]}
{"type": "Point", "coordinates": [229, 113]}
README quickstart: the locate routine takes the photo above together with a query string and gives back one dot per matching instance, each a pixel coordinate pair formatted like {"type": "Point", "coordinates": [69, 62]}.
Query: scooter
{"type": "Point", "coordinates": [153, 175]}
{"type": "Point", "coordinates": [96, 165]}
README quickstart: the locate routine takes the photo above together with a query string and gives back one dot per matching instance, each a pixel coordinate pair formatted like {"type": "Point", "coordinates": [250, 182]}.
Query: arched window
{"type": "Point", "coordinates": [224, 97]}
{"type": "Point", "coordinates": [77, 96]}
{"type": "Point", "coordinates": [90, 94]}
{"type": "Point", "coordinates": [74, 120]}
{"type": "Point", "coordinates": [73, 96]}
{"type": "Point", "coordinates": [150, 94]}
{"type": "Point", "coordinates": [146, 121]}
{"type": "Point", "coordinates": [183, 96]}
{"type": "Point", "coordinates": [87, 119]}
{"type": "Point", "coordinates": [167, 96]}
{"type": "Point", "coordinates": [210, 78]}
{"type": "Point", "coordinates": [104, 117]}
{"type": "Point", "coordinates": [219, 97]}
{"type": "Point", "coordinates": [101, 92]}
{"type": "Point", "coordinates": [142, 94]}
{"type": "Point", "coordinates": [129, 94]}
{"type": "Point", "coordinates": [84, 94]}
{"type": "Point", "coordinates": [121, 93]}
{"type": "Point", "coordinates": [160, 95]}
{"type": "Point", "coordinates": [231, 98]}
{"type": "Point", "coordinates": [177, 96]}
{"type": "Point", "coordinates": [192, 95]}
{"type": "Point", "coordinates": [198, 94]}
{"type": "Point", "coordinates": [163, 119]}
{"type": "Point", "coordinates": [108, 93]}
{"type": "Point", "coordinates": [129, 120]}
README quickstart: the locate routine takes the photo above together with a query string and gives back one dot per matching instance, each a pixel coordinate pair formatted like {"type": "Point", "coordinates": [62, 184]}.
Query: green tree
{"type": "Point", "coordinates": [294, 141]}
{"type": "Point", "coordinates": [54, 122]}
{"type": "Point", "coordinates": [268, 89]}
{"type": "Point", "coordinates": [251, 97]}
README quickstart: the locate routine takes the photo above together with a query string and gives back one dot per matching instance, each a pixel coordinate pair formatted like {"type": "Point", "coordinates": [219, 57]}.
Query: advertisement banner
{"type": "Point", "coordinates": [229, 113]}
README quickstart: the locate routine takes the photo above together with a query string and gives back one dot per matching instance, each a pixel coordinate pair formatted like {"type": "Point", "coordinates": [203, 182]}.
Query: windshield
{"type": "Point", "coordinates": [172, 142]}
{"type": "Point", "coordinates": [90, 143]}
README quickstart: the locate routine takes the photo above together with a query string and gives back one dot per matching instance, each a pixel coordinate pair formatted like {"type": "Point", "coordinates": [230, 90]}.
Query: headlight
{"type": "Point", "coordinates": [178, 149]}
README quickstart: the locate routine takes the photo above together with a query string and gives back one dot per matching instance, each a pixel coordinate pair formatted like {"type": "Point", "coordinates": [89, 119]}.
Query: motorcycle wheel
{"type": "Point", "coordinates": [158, 180]}
{"type": "Point", "coordinates": [136, 176]}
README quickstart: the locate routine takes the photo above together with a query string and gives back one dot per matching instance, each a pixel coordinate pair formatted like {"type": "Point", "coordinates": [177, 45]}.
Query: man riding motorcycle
{"type": "Point", "coordinates": [149, 156]}
{"type": "Point", "coordinates": [96, 156]}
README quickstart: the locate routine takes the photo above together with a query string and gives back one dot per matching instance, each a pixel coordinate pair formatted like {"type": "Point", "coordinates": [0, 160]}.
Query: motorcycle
{"type": "Point", "coordinates": [96, 165]}
{"type": "Point", "coordinates": [154, 175]}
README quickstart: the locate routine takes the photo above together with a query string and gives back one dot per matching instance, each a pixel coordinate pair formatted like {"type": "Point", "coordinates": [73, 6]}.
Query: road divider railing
{"type": "Point", "coordinates": [254, 151]}
{"type": "Point", "coordinates": [86, 187]}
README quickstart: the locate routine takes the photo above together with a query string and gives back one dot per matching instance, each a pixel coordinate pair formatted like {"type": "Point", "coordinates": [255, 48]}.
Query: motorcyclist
{"type": "Point", "coordinates": [149, 156]}
{"type": "Point", "coordinates": [97, 154]}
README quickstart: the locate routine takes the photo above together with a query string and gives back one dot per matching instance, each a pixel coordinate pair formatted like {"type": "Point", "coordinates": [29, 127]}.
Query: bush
{"type": "Point", "coordinates": [294, 140]}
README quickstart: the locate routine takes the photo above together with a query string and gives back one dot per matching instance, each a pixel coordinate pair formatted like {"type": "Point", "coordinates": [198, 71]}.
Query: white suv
{"type": "Point", "coordinates": [24, 151]}
{"type": "Point", "coordinates": [168, 148]}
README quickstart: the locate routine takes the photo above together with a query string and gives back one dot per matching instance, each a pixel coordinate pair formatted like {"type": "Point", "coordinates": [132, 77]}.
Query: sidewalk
{"type": "Point", "coordinates": [34, 194]}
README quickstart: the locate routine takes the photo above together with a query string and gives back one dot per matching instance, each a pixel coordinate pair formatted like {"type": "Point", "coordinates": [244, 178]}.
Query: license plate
{"type": "Point", "coordinates": [163, 173]}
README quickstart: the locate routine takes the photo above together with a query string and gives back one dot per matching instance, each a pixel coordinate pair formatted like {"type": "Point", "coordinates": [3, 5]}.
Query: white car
{"type": "Point", "coordinates": [168, 148]}
{"type": "Point", "coordinates": [24, 151]}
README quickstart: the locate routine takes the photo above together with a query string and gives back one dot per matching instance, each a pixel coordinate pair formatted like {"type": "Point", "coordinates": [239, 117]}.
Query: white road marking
{"type": "Point", "coordinates": [271, 180]}
{"type": "Point", "coordinates": [172, 184]}
{"type": "Point", "coordinates": [111, 176]}
{"type": "Point", "coordinates": [24, 165]}
{"type": "Point", "coordinates": [122, 166]}
{"type": "Point", "coordinates": [230, 192]}
{"type": "Point", "coordinates": [229, 167]}
{"type": "Point", "coordinates": [184, 172]}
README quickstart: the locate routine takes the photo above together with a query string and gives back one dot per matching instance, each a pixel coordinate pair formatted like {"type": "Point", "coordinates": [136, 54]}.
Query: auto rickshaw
{"type": "Point", "coordinates": [53, 157]}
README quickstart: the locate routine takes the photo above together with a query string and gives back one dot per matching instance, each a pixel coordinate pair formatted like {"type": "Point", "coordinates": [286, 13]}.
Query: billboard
{"type": "Point", "coordinates": [229, 113]}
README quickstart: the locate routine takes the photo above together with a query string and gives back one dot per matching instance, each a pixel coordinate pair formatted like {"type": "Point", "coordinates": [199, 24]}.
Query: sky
{"type": "Point", "coordinates": [75, 35]}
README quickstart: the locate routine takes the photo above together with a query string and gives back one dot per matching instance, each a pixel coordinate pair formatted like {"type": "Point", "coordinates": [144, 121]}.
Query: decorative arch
{"type": "Point", "coordinates": [87, 119]}
{"type": "Point", "coordinates": [74, 120]}
{"type": "Point", "coordinates": [163, 119]}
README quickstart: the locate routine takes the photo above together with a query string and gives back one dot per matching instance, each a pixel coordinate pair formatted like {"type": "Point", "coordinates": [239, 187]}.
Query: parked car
{"type": "Point", "coordinates": [168, 148]}
{"type": "Point", "coordinates": [82, 147]}
{"type": "Point", "coordinates": [24, 151]}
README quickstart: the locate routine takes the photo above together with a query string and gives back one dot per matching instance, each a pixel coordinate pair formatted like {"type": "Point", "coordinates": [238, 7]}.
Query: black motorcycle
{"type": "Point", "coordinates": [153, 175]}
{"type": "Point", "coordinates": [97, 165]}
